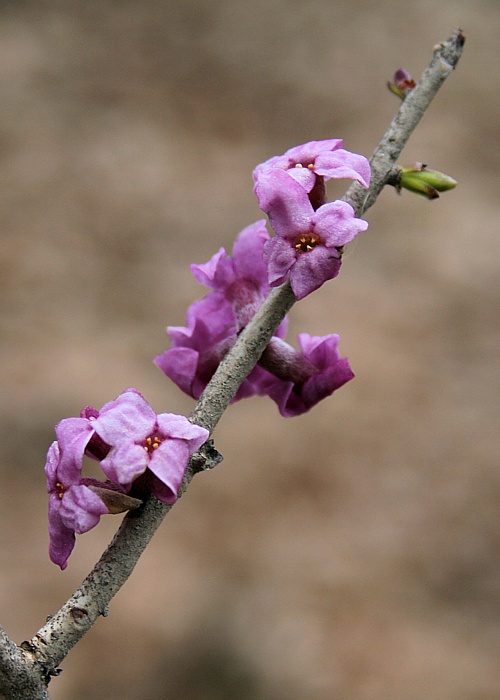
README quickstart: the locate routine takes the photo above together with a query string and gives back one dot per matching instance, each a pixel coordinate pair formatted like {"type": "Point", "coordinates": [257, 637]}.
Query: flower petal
{"type": "Point", "coordinates": [247, 253]}
{"type": "Point", "coordinates": [171, 425]}
{"type": "Point", "coordinates": [216, 273]}
{"type": "Point", "coordinates": [286, 203]}
{"type": "Point", "coordinates": [343, 164]}
{"type": "Point", "coordinates": [319, 349]}
{"type": "Point", "coordinates": [326, 382]}
{"type": "Point", "coordinates": [280, 258]}
{"type": "Point", "coordinates": [313, 269]}
{"type": "Point", "coordinates": [81, 509]}
{"type": "Point", "coordinates": [62, 538]}
{"type": "Point", "coordinates": [51, 466]}
{"type": "Point", "coordinates": [310, 151]}
{"type": "Point", "coordinates": [336, 224]}
{"type": "Point", "coordinates": [304, 176]}
{"type": "Point", "coordinates": [179, 364]}
{"type": "Point", "coordinates": [73, 435]}
{"type": "Point", "coordinates": [129, 417]}
{"type": "Point", "coordinates": [169, 463]}
{"type": "Point", "coordinates": [125, 462]}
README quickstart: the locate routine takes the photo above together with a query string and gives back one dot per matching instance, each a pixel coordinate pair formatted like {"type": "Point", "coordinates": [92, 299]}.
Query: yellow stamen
{"type": "Point", "coordinates": [306, 242]}
{"type": "Point", "coordinates": [152, 443]}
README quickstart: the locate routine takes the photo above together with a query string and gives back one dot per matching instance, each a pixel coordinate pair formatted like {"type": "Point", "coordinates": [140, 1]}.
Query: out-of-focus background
{"type": "Point", "coordinates": [352, 553]}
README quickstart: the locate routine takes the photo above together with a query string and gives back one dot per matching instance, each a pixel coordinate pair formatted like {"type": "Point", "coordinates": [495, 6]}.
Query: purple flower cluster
{"type": "Point", "coordinates": [139, 452]}
{"type": "Point", "coordinates": [296, 381]}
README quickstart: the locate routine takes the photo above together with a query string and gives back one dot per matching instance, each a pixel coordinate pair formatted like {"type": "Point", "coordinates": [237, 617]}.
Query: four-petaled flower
{"type": "Point", "coordinates": [132, 443]}
{"type": "Point", "coordinates": [305, 249]}
{"type": "Point", "coordinates": [141, 440]}
{"type": "Point", "coordinates": [241, 278]}
{"type": "Point", "coordinates": [326, 159]}
{"type": "Point", "coordinates": [197, 348]}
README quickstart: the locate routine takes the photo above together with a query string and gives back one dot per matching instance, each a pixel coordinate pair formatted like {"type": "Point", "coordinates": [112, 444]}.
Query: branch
{"type": "Point", "coordinates": [63, 630]}
{"type": "Point", "coordinates": [19, 677]}
{"type": "Point", "coordinates": [444, 60]}
{"type": "Point", "coordinates": [251, 343]}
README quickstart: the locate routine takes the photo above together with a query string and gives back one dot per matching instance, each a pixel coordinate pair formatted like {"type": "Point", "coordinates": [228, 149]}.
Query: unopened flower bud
{"type": "Point", "coordinates": [403, 83]}
{"type": "Point", "coordinates": [428, 183]}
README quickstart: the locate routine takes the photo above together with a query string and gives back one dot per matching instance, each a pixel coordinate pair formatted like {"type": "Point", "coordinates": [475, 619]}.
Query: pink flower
{"type": "Point", "coordinates": [303, 379]}
{"type": "Point", "coordinates": [326, 159]}
{"type": "Point", "coordinates": [141, 440]}
{"type": "Point", "coordinates": [241, 278]}
{"type": "Point", "coordinates": [197, 348]}
{"type": "Point", "coordinates": [306, 247]}
{"type": "Point", "coordinates": [131, 442]}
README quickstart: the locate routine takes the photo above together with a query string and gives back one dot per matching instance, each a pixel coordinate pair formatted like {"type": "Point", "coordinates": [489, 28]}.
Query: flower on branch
{"type": "Point", "coordinates": [140, 452]}
{"type": "Point", "coordinates": [144, 443]}
{"type": "Point", "coordinates": [312, 163]}
{"type": "Point", "coordinates": [306, 247]}
{"type": "Point", "coordinates": [302, 379]}
{"type": "Point", "coordinates": [241, 278]}
{"type": "Point", "coordinates": [197, 348]}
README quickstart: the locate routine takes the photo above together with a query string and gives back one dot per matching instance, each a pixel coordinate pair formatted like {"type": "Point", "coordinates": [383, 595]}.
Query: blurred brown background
{"type": "Point", "coordinates": [349, 554]}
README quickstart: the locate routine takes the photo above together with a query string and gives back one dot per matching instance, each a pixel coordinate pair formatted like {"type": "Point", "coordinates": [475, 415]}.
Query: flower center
{"type": "Point", "coordinates": [152, 443]}
{"type": "Point", "coordinates": [60, 489]}
{"type": "Point", "coordinates": [309, 167]}
{"type": "Point", "coordinates": [306, 242]}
